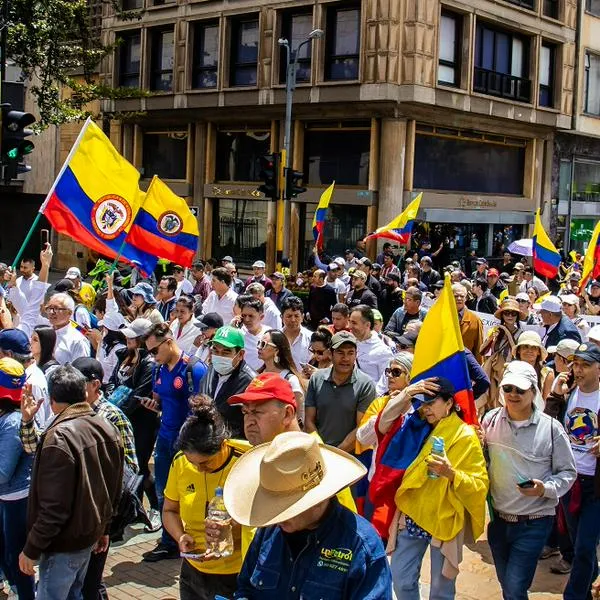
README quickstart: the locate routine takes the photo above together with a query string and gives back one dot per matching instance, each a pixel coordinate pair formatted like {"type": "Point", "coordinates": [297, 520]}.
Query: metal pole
{"type": "Point", "coordinates": [290, 84]}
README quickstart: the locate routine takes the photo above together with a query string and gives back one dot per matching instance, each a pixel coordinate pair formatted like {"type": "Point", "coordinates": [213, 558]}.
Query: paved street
{"type": "Point", "coordinates": [128, 577]}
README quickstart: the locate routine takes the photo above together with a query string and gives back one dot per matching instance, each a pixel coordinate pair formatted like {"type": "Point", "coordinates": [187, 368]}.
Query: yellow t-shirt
{"type": "Point", "coordinates": [344, 497]}
{"type": "Point", "coordinates": [193, 489]}
{"type": "Point", "coordinates": [87, 294]}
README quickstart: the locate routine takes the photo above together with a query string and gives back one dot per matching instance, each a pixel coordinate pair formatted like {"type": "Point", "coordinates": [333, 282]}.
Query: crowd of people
{"type": "Point", "coordinates": [286, 403]}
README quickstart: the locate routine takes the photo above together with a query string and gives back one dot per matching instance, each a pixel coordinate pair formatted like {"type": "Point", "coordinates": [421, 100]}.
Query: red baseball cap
{"type": "Point", "coordinates": [265, 387]}
{"type": "Point", "coordinates": [493, 273]}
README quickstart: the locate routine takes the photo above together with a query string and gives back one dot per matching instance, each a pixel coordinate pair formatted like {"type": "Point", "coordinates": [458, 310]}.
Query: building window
{"type": "Point", "coordinates": [295, 28]}
{"type": "Point", "coordinates": [550, 9]}
{"type": "Point", "coordinates": [239, 152]}
{"type": "Point", "coordinates": [129, 59]}
{"type": "Point", "coordinates": [529, 4]}
{"type": "Point", "coordinates": [337, 155]}
{"type": "Point", "coordinates": [161, 61]}
{"type": "Point", "coordinates": [586, 181]}
{"type": "Point", "coordinates": [501, 64]}
{"type": "Point", "coordinates": [449, 60]}
{"type": "Point", "coordinates": [240, 230]}
{"type": "Point", "coordinates": [468, 161]}
{"type": "Point", "coordinates": [591, 83]}
{"type": "Point", "coordinates": [164, 153]}
{"type": "Point", "coordinates": [206, 55]}
{"type": "Point", "coordinates": [244, 51]}
{"type": "Point", "coordinates": [343, 43]}
{"type": "Point", "coordinates": [593, 6]}
{"type": "Point", "coordinates": [547, 62]}
{"type": "Point", "coordinates": [132, 4]}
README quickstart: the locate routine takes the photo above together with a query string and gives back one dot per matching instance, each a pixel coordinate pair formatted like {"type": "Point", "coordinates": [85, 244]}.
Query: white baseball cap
{"type": "Point", "coordinates": [551, 304]}
{"type": "Point", "coordinates": [137, 328]}
{"type": "Point", "coordinates": [594, 334]}
{"type": "Point", "coordinates": [522, 296]}
{"type": "Point", "coordinates": [73, 273]}
{"type": "Point", "coordinates": [260, 264]}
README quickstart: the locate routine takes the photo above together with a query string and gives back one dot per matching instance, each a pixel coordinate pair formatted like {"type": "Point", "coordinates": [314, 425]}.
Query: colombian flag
{"type": "Point", "coordinates": [165, 226]}
{"type": "Point", "coordinates": [400, 228]}
{"type": "Point", "coordinates": [439, 352]}
{"type": "Point", "coordinates": [318, 223]}
{"type": "Point", "coordinates": [96, 197]}
{"type": "Point", "coordinates": [546, 258]}
{"type": "Point", "coordinates": [591, 263]}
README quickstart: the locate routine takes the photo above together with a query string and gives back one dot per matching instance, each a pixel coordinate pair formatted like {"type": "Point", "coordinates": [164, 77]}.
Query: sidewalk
{"type": "Point", "coordinates": [128, 577]}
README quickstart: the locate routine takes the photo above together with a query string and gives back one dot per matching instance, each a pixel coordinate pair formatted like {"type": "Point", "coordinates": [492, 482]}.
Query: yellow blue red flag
{"type": "Point", "coordinates": [318, 223]}
{"type": "Point", "coordinates": [546, 258]}
{"type": "Point", "coordinates": [591, 262]}
{"type": "Point", "coordinates": [165, 226]}
{"type": "Point", "coordinates": [96, 197]}
{"type": "Point", "coordinates": [400, 228]}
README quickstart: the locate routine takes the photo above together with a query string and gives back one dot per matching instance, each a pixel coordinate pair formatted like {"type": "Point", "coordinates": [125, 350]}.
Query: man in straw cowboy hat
{"type": "Point", "coordinates": [308, 543]}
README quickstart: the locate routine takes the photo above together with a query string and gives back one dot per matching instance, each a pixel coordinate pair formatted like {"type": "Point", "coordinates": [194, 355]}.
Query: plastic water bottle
{"type": "Point", "coordinates": [436, 448]}
{"type": "Point", "coordinates": [218, 513]}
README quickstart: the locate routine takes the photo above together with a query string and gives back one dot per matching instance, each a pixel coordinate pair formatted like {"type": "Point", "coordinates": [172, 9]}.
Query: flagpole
{"type": "Point", "coordinates": [49, 195]}
{"type": "Point", "coordinates": [113, 266]}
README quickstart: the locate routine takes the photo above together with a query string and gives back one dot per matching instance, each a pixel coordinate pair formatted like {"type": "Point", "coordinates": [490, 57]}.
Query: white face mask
{"type": "Point", "coordinates": [223, 364]}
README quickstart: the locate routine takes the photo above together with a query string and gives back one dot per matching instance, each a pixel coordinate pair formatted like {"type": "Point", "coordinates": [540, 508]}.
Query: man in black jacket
{"type": "Point", "coordinates": [321, 299]}
{"type": "Point", "coordinates": [484, 301]}
{"type": "Point", "coordinates": [360, 293]}
{"type": "Point", "coordinates": [228, 374]}
{"type": "Point", "coordinates": [75, 489]}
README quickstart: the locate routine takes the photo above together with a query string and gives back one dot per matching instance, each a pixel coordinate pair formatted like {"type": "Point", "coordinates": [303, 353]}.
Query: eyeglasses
{"type": "Point", "coordinates": [319, 352]}
{"type": "Point", "coordinates": [55, 309]}
{"type": "Point", "coordinates": [513, 389]}
{"type": "Point", "coordinates": [261, 345]}
{"type": "Point", "coordinates": [510, 313]}
{"type": "Point", "coordinates": [154, 351]}
{"type": "Point", "coordinates": [394, 372]}
{"type": "Point", "coordinates": [523, 301]}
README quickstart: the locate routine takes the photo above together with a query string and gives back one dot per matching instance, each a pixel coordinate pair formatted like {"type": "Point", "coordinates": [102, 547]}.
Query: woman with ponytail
{"type": "Point", "coordinates": [201, 465]}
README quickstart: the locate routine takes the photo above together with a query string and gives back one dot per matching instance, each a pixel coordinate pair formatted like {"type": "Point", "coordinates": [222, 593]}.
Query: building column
{"type": "Point", "coordinates": [372, 210]}
{"type": "Point", "coordinates": [198, 179]}
{"type": "Point", "coordinates": [392, 155]}
{"type": "Point", "coordinates": [209, 177]}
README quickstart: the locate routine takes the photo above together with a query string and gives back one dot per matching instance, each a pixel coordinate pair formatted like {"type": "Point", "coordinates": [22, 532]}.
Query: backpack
{"type": "Point", "coordinates": [93, 317]}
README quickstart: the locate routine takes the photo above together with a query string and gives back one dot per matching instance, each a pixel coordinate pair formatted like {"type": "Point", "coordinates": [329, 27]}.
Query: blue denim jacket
{"type": "Point", "coordinates": [15, 463]}
{"type": "Point", "coordinates": [343, 559]}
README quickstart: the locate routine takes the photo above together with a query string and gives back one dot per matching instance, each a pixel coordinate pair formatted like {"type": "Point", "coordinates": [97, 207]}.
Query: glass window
{"type": "Point", "coordinates": [448, 64]}
{"type": "Point", "coordinates": [586, 181]}
{"type": "Point", "coordinates": [295, 28]}
{"type": "Point", "coordinates": [591, 83]}
{"type": "Point", "coordinates": [546, 97]}
{"type": "Point", "coordinates": [206, 55]}
{"type": "Point", "coordinates": [460, 165]}
{"type": "Point", "coordinates": [593, 6]}
{"type": "Point", "coordinates": [164, 154]}
{"type": "Point", "coordinates": [523, 3]}
{"type": "Point", "coordinates": [550, 8]}
{"type": "Point", "coordinates": [239, 152]}
{"type": "Point", "coordinates": [129, 59]}
{"type": "Point", "coordinates": [345, 225]}
{"type": "Point", "coordinates": [161, 67]}
{"type": "Point", "coordinates": [132, 4]}
{"type": "Point", "coordinates": [340, 156]}
{"type": "Point", "coordinates": [343, 43]}
{"type": "Point", "coordinates": [240, 230]}
{"type": "Point", "coordinates": [501, 64]}
{"type": "Point", "coordinates": [244, 52]}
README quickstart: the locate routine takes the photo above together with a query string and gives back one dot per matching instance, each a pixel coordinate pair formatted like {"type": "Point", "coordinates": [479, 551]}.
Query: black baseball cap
{"type": "Point", "coordinates": [446, 391]}
{"type": "Point", "coordinates": [587, 352]}
{"type": "Point", "coordinates": [204, 322]}
{"type": "Point", "coordinates": [90, 368]}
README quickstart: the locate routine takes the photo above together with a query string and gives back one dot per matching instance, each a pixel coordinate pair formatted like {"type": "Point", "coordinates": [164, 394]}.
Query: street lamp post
{"type": "Point", "coordinates": [290, 86]}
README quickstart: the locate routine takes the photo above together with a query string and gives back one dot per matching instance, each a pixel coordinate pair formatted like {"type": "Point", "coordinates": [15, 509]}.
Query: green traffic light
{"type": "Point", "coordinates": [13, 153]}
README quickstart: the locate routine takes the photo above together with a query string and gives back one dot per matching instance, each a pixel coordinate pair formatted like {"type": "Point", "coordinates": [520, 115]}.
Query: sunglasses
{"type": "Point", "coordinates": [511, 313]}
{"type": "Point", "coordinates": [154, 351]}
{"type": "Point", "coordinates": [261, 345]}
{"type": "Point", "coordinates": [513, 389]}
{"type": "Point", "coordinates": [394, 372]}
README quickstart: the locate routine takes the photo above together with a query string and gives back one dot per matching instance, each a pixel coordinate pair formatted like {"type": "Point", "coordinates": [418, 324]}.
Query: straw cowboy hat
{"type": "Point", "coordinates": [507, 304]}
{"type": "Point", "coordinates": [531, 338]}
{"type": "Point", "coordinates": [277, 481]}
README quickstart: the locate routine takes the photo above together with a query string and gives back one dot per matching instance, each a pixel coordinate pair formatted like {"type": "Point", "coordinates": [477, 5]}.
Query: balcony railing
{"type": "Point", "coordinates": [529, 4]}
{"type": "Point", "coordinates": [502, 85]}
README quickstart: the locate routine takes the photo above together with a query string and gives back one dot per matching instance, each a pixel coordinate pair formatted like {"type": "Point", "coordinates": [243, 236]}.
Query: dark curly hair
{"type": "Point", "coordinates": [204, 431]}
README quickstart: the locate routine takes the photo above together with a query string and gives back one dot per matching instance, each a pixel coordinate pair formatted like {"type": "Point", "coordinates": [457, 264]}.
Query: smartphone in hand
{"type": "Point", "coordinates": [526, 484]}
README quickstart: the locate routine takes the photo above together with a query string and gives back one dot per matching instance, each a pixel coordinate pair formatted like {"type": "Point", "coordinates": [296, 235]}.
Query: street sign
{"type": "Point", "coordinates": [195, 210]}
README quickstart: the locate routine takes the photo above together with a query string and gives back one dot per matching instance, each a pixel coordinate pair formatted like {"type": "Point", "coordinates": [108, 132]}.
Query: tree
{"type": "Point", "coordinates": [57, 45]}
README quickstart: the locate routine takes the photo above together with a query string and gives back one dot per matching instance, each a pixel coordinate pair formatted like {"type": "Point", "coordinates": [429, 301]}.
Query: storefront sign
{"type": "Point", "coordinates": [464, 202]}
{"type": "Point", "coordinates": [217, 191]}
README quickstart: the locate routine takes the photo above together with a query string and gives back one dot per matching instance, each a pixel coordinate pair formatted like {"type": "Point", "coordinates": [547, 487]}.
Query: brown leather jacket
{"type": "Point", "coordinates": [75, 482]}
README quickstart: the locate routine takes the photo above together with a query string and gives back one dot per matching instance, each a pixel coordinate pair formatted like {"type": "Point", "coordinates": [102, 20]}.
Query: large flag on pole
{"type": "Point", "coordinates": [165, 226]}
{"type": "Point", "coordinates": [400, 228]}
{"type": "Point", "coordinates": [546, 257]}
{"type": "Point", "coordinates": [591, 262]}
{"type": "Point", "coordinates": [318, 223]}
{"type": "Point", "coordinates": [95, 198]}
{"type": "Point", "coordinates": [439, 352]}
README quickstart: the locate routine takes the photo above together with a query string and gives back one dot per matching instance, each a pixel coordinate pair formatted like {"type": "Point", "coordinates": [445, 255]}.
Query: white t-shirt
{"type": "Point", "coordinates": [581, 424]}
{"type": "Point", "coordinates": [251, 347]}
{"type": "Point", "coordinates": [39, 389]}
{"type": "Point", "coordinates": [184, 287]}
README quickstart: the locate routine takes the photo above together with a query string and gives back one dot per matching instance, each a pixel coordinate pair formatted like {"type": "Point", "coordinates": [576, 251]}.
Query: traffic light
{"type": "Point", "coordinates": [269, 173]}
{"type": "Point", "coordinates": [14, 145]}
{"type": "Point", "coordinates": [293, 183]}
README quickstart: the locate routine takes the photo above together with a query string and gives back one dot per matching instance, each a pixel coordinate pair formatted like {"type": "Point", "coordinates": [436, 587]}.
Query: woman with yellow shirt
{"type": "Point", "coordinates": [202, 464]}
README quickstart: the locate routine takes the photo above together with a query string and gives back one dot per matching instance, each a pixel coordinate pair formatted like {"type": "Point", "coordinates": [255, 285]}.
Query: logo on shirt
{"type": "Point", "coordinates": [190, 489]}
{"type": "Point", "coordinates": [338, 559]}
{"type": "Point", "coordinates": [581, 425]}
{"type": "Point", "coordinates": [177, 383]}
